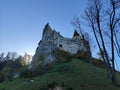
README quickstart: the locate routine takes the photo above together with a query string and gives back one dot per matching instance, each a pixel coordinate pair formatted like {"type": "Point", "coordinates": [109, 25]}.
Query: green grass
{"type": "Point", "coordinates": [76, 74]}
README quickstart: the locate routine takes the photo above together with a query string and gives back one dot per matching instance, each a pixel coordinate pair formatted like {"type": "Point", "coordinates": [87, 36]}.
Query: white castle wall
{"type": "Point", "coordinates": [52, 40]}
{"type": "Point", "coordinates": [70, 45]}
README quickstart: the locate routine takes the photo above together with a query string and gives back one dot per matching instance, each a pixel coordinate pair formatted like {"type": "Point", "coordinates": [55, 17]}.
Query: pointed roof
{"type": "Point", "coordinates": [75, 33]}
{"type": "Point", "coordinates": [76, 36]}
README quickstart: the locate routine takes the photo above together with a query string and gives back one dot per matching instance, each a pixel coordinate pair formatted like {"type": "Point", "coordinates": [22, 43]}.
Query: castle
{"type": "Point", "coordinates": [51, 40]}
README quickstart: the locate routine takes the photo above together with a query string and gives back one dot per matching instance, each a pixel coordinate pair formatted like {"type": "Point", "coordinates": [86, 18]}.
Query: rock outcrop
{"type": "Point", "coordinates": [52, 40]}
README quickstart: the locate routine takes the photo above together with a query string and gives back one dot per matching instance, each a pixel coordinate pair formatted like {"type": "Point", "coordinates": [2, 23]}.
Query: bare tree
{"type": "Point", "coordinates": [113, 21]}
{"type": "Point", "coordinates": [85, 36]}
{"type": "Point", "coordinates": [95, 18]}
{"type": "Point", "coordinates": [88, 38]}
{"type": "Point", "coordinates": [77, 24]}
{"type": "Point", "coordinates": [101, 54]}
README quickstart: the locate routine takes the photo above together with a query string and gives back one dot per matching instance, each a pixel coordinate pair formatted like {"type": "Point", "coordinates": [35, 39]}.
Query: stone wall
{"type": "Point", "coordinates": [70, 45]}
{"type": "Point", "coordinates": [52, 40]}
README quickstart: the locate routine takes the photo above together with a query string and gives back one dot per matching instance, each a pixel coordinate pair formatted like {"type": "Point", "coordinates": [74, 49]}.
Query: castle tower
{"type": "Point", "coordinates": [52, 40]}
{"type": "Point", "coordinates": [47, 31]}
{"type": "Point", "coordinates": [75, 35]}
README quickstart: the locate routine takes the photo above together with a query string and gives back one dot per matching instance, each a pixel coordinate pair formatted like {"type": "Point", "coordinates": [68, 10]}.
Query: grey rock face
{"type": "Point", "coordinates": [52, 40]}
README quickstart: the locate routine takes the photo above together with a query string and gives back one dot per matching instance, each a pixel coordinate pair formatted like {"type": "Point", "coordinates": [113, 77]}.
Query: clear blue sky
{"type": "Point", "coordinates": [22, 21]}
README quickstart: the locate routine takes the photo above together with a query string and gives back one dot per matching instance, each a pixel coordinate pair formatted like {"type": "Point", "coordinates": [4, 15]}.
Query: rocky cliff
{"type": "Point", "coordinates": [52, 40]}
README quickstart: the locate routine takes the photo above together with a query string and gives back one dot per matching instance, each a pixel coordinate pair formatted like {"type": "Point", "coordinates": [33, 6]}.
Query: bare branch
{"type": "Point", "coordinates": [76, 23]}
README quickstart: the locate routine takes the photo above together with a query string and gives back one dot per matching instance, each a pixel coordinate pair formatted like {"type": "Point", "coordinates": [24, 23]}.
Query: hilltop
{"type": "Point", "coordinates": [75, 74]}
{"type": "Point", "coordinates": [61, 61]}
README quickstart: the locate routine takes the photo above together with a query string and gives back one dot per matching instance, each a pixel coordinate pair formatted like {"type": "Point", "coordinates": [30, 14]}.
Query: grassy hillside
{"type": "Point", "coordinates": [76, 74]}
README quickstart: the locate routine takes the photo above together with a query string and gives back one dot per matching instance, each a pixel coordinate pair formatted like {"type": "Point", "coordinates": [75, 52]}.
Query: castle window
{"type": "Point", "coordinates": [60, 45]}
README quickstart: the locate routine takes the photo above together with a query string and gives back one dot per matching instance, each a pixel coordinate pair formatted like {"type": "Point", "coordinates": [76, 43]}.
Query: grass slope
{"type": "Point", "coordinates": [76, 74]}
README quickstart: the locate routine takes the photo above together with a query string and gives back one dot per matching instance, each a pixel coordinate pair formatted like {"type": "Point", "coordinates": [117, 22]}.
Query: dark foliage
{"type": "Point", "coordinates": [83, 56]}
{"type": "Point", "coordinates": [62, 56]}
{"type": "Point", "coordinates": [9, 66]}
{"type": "Point", "coordinates": [99, 63]}
{"type": "Point", "coordinates": [26, 73]}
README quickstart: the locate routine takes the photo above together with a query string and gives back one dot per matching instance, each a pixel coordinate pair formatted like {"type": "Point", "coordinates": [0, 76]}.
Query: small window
{"type": "Point", "coordinates": [60, 45]}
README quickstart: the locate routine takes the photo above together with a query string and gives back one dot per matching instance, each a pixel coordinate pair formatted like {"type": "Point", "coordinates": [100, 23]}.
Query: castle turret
{"type": "Point", "coordinates": [47, 31]}
{"type": "Point", "coordinates": [76, 35]}
{"type": "Point", "coordinates": [48, 42]}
